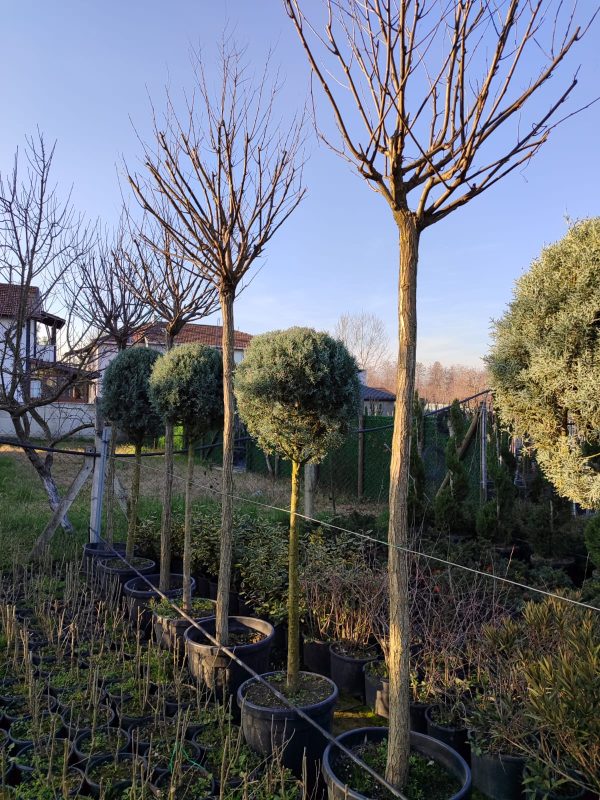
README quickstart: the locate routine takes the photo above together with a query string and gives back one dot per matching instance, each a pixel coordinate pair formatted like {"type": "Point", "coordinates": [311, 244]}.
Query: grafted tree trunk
{"type": "Point", "coordinates": [226, 549]}
{"type": "Point", "coordinates": [187, 531]}
{"type": "Point", "coordinates": [399, 668]}
{"type": "Point", "coordinates": [293, 654]}
{"type": "Point", "coordinates": [133, 501]}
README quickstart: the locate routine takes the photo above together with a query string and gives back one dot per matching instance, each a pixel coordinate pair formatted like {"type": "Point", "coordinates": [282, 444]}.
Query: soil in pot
{"type": "Point", "coordinates": [100, 742]}
{"type": "Point", "coordinates": [444, 727]}
{"type": "Point", "coordinates": [346, 665]}
{"type": "Point", "coordinates": [191, 784]}
{"type": "Point", "coordinates": [169, 627]}
{"type": "Point", "coordinates": [113, 774]}
{"type": "Point", "coordinates": [139, 596]}
{"type": "Point", "coordinates": [270, 725]}
{"type": "Point", "coordinates": [249, 638]}
{"type": "Point", "coordinates": [435, 771]}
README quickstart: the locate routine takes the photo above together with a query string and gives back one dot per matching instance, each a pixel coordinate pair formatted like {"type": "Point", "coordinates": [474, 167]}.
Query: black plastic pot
{"type": "Point", "coordinates": [418, 720]}
{"type": "Point", "coordinates": [425, 745]}
{"type": "Point", "coordinates": [498, 776]}
{"type": "Point", "coordinates": [347, 672]}
{"type": "Point", "coordinates": [121, 574]}
{"type": "Point", "coordinates": [81, 757]}
{"type": "Point", "coordinates": [456, 738]}
{"type": "Point", "coordinates": [207, 662]}
{"type": "Point", "coordinates": [316, 658]}
{"type": "Point", "coordinates": [170, 632]}
{"type": "Point", "coordinates": [92, 551]}
{"type": "Point", "coordinates": [118, 786]}
{"type": "Point", "coordinates": [138, 596]}
{"type": "Point", "coordinates": [377, 692]}
{"type": "Point", "coordinates": [281, 729]}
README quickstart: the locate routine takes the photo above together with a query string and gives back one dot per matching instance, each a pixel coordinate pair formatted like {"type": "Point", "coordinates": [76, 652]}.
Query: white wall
{"type": "Point", "coordinates": [61, 417]}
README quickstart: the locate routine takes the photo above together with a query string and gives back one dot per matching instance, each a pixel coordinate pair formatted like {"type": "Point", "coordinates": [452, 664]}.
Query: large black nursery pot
{"type": "Point", "coordinates": [138, 595]}
{"type": "Point", "coordinates": [316, 658]}
{"type": "Point", "coordinates": [498, 776]}
{"type": "Point", "coordinates": [377, 692]}
{"type": "Point", "coordinates": [169, 632]}
{"type": "Point", "coordinates": [456, 738]}
{"type": "Point", "coordinates": [417, 712]}
{"type": "Point", "coordinates": [282, 730]}
{"type": "Point", "coordinates": [347, 671]}
{"type": "Point", "coordinates": [120, 572]}
{"type": "Point", "coordinates": [209, 664]}
{"type": "Point", "coordinates": [432, 749]}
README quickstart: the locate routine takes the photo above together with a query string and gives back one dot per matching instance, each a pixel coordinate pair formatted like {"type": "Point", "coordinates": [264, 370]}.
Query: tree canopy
{"type": "Point", "coordinates": [545, 362]}
{"type": "Point", "coordinates": [297, 390]}
{"type": "Point", "coordinates": [125, 394]}
{"type": "Point", "coordinates": [186, 386]}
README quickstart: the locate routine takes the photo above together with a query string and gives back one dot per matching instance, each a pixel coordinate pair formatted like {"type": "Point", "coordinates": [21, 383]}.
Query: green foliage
{"type": "Point", "coordinates": [297, 391]}
{"type": "Point", "coordinates": [451, 507]}
{"type": "Point", "coordinates": [186, 386]}
{"type": "Point", "coordinates": [592, 539]}
{"type": "Point", "coordinates": [125, 394]}
{"type": "Point", "coordinates": [545, 364]}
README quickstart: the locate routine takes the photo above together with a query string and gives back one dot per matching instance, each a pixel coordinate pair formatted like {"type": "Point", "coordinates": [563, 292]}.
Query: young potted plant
{"type": "Point", "coordinates": [126, 404]}
{"type": "Point", "coordinates": [186, 389]}
{"type": "Point", "coordinates": [297, 391]}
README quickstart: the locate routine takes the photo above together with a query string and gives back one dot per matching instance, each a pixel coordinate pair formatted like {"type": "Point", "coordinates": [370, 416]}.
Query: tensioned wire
{"type": "Point", "coordinates": [407, 550]}
{"type": "Point", "coordinates": [282, 698]}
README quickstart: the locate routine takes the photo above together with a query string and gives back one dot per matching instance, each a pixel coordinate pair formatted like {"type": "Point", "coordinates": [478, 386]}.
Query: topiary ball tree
{"type": "Point", "coordinates": [125, 402]}
{"type": "Point", "coordinates": [297, 391]}
{"type": "Point", "coordinates": [186, 387]}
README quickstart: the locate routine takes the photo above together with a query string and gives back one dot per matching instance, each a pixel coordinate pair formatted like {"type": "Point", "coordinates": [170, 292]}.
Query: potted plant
{"type": "Point", "coordinates": [186, 387]}
{"type": "Point", "coordinates": [126, 404]}
{"type": "Point", "coordinates": [297, 391]}
{"type": "Point", "coordinates": [434, 768]}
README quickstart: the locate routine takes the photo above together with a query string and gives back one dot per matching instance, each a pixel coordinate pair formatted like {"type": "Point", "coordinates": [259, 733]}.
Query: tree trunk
{"type": "Point", "coordinates": [293, 654]}
{"type": "Point", "coordinates": [187, 531]}
{"type": "Point", "coordinates": [133, 502]}
{"type": "Point", "coordinates": [165, 524]}
{"type": "Point", "coordinates": [43, 469]}
{"type": "Point", "coordinates": [399, 725]}
{"type": "Point", "coordinates": [110, 490]}
{"type": "Point", "coordinates": [222, 611]}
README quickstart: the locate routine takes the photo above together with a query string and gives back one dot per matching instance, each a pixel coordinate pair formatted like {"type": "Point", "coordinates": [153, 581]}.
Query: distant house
{"type": "Point", "coordinates": [28, 336]}
{"type": "Point", "coordinates": [377, 402]}
{"type": "Point", "coordinates": [153, 335]}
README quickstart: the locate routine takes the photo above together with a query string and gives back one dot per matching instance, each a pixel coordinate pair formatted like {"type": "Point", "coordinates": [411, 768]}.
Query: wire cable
{"type": "Point", "coordinates": [281, 697]}
{"type": "Point", "coordinates": [407, 550]}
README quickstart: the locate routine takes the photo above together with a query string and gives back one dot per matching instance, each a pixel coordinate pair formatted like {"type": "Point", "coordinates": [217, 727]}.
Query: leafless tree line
{"type": "Point", "coordinates": [436, 383]}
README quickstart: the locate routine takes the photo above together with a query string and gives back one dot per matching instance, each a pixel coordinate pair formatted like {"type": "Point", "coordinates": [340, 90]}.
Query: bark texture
{"type": "Point", "coordinates": [187, 532]}
{"type": "Point", "coordinates": [293, 654]}
{"type": "Point", "coordinates": [226, 549]}
{"type": "Point", "coordinates": [399, 667]}
{"type": "Point", "coordinates": [167, 512]}
{"type": "Point", "coordinates": [133, 502]}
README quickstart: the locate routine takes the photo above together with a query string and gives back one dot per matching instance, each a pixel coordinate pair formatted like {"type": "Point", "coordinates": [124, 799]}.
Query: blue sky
{"type": "Point", "coordinates": [83, 72]}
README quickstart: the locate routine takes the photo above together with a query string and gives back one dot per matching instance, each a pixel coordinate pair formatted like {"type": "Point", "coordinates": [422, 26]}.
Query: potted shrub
{"type": "Point", "coordinates": [126, 404]}
{"type": "Point", "coordinates": [297, 391]}
{"type": "Point", "coordinates": [186, 388]}
{"type": "Point", "coordinates": [433, 767]}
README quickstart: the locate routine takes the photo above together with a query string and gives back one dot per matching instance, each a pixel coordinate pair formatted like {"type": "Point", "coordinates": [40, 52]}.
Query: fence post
{"type": "Point", "coordinates": [103, 438]}
{"type": "Point", "coordinates": [310, 482]}
{"type": "Point", "coordinates": [361, 457]}
{"type": "Point", "coordinates": [483, 449]}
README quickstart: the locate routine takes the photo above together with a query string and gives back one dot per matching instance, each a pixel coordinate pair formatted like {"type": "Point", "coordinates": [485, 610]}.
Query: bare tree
{"type": "Point", "coordinates": [106, 293]}
{"type": "Point", "coordinates": [420, 91]}
{"type": "Point", "coordinates": [364, 335]}
{"type": "Point", "coordinates": [42, 241]}
{"type": "Point", "coordinates": [161, 277]}
{"type": "Point", "coordinates": [230, 175]}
